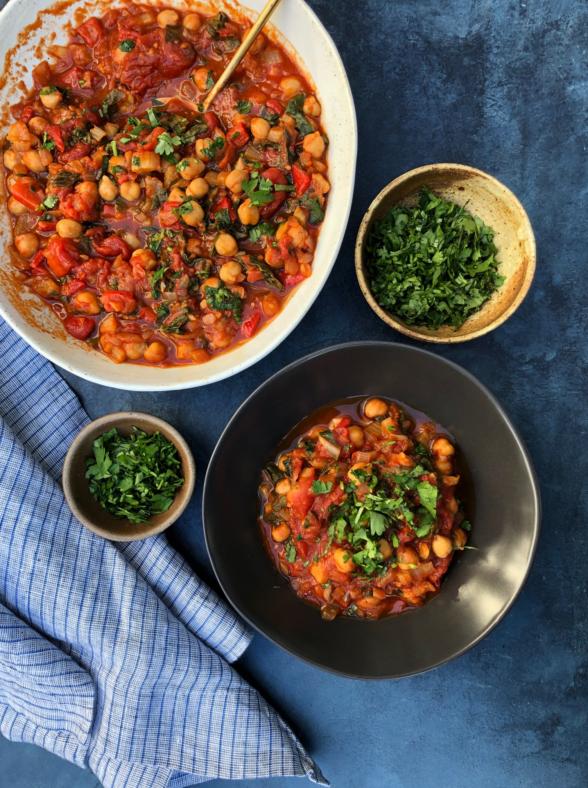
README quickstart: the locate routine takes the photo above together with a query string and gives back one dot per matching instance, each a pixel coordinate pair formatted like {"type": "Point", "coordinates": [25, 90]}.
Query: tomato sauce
{"type": "Point", "coordinates": [158, 232]}
{"type": "Point", "coordinates": [359, 510]}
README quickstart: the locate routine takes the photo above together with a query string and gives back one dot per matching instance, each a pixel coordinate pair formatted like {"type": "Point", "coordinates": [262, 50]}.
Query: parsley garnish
{"type": "Point", "coordinates": [259, 190]}
{"type": "Point", "coordinates": [127, 45]}
{"type": "Point", "coordinates": [223, 299]}
{"type": "Point", "coordinates": [166, 143]}
{"type": "Point", "coordinates": [136, 476]}
{"type": "Point", "coordinates": [109, 104]}
{"type": "Point", "coordinates": [432, 264]}
{"type": "Point", "coordinates": [260, 230]}
{"type": "Point", "coordinates": [294, 109]}
{"type": "Point", "coordinates": [243, 106]}
{"type": "Point", "coordinates": [290, 552]}
{"type": "Point", "coordinates": [47, 142]}
{"type": "Point", "coordinates": [50, 202]}
{"type": "Point", "coordinates": [216, 145]}
{"type": "Point", "coordinates": [320, 488]}
{"type": "Point", "coordinates": [317, 214]}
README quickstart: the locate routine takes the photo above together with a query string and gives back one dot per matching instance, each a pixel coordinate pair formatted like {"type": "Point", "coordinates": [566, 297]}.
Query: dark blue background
{"type": "Point", "coordinates": [502, 85]}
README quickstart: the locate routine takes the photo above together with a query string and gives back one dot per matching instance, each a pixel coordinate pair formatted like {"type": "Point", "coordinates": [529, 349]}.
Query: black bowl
{"type": "Point", "coordinates": [481, 584]}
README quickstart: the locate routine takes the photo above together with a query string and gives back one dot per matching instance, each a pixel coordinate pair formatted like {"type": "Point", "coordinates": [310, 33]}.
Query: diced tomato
{"type": "Point", "coordinates": [300, 497]}
{"type": "Point", "coordinates": [44, 226]}
{"type": "Point", "coordinates": [322, 502]}
{"type": "Point", "coordinates": [302, 179]}
{"type": "Point", "coordinates": [211, 120]}
{"type": "Point", "coordinates": [176, 56]}
{"type": "Point", "coordinates": [78, 151]}
{"type": "Point", "coordinates": [120, 301]}
{"type": "Point", "coordinates": [167, 217]}
{"type": "Point", "coordinates": [61, 254]}
{"type": "Point", "coordinates": [28, 192]}
{"type": "Point", "coordinates": [275, 106]}
{"type": "Point", "coordinates": [56, 135]}
{"type": "Point", "coordinates": [291, 280]}
{"type": "Point", "coordinates": [79, 327]}
{"type": "Point", "coordinates": [91, 31]}
{"type": "Point", "coordinates": [42, 74]}
{"type": "Point", "coordinates": [249, 326]}
{"type": "Point", "coordinates": [146, 313]}
{"type": "Point", "coordinates": [238, 135]}
{"type": "Point", "coordinates": [37, 262]}
{"type": "Point", "coordinates": [27, 113]}
{"type": "Point", "coordinates": [228, 156]}
{"type": "Point", "coordinates": [276, 176]}
{"type": "Point", "coordinates": [150, 141]}
{"type": "Point", "coordinates": [78, 78]}
{"type": "Point", "coordinates": [112, 246]}
{"type": "Point", "coordinates": [69, 288]}
{"type": "Point", "coordinates": [224, 204]}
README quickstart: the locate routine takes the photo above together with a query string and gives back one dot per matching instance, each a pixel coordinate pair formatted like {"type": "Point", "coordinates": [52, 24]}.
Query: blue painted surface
{"type": "Point", "coordinates": [499, 84]}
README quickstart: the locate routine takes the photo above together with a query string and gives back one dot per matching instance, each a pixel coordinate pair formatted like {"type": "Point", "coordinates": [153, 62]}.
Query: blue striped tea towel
{"type": "Point", "coordinates": [115, 657]}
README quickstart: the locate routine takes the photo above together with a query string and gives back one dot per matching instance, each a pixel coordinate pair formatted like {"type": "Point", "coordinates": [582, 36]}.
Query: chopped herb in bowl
{"type": "Point", "coordinates": [431, 264]}
{"type": "Point", "coordinates": [135, 476]}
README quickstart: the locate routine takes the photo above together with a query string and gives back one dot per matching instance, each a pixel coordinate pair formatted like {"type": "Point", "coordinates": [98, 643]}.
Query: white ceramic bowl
{"type": "Point", "coordinates": [301, 31]}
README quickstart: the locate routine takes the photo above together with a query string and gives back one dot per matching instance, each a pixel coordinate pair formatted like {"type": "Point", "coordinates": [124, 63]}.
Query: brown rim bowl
{"type": "Point", "coordinates": [497, 206]}
{"type": "Point", "coordinates": [84, 506]}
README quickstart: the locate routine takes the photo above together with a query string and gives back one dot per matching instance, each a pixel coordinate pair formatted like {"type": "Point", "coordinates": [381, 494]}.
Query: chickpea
{"type": "Point", "coordinates": [319, 572]}
{"type": "Point", "coordinates": [195, 215]}
{"type": "Point", "coordinates": [460, 538]}
{"type": "Point", "coordinates": [145, 162]}
{"type": "Point", "coordinates": [385, 549]}
{"type": "Point", "coordinates": [20, 137]}
{"type": "Point", "coordinates": [197, 188]}
{"type": "Point", "coordinates": [155, 353]}
{"type": "Point", "coordinates": [314, 144]}
{"type": "Point", "coordinates": [406, 556]}
{"type": "Point", "coordinates": [283, 486]}
{"type": "Point", "coordinates": [280, 532]}
{"type": "Point", "coordinates": [132, 240]}
{"type": "Point", "coordinates": [443, 452]}
{"type": "Point", "coordinates": [107, 189]}
{"type": "Point", "coordinates": [248, 213]}
{"type": "Point", "coordinates": [375, 408]}
{"type": "Point", "coordinates": [234, 180]}
{"type": "Point", "coordinates": [51, 100]}
{"type": "Point", "coordinates": [190, 168]}
{"type": "Point", "coordinates": [89, 190]}
{"type": "Point", "coordinates": [442, 546]}
{"type": "Point", "coordinates": [177, 195]}
{"type": "Point", "coordinates": [135, 350]}
{"type": "Point", "coordinates": [192, 22]}
{"type": "Point", "coordinates": [311, 107]}
{"type": "Point", "coordinates": [203, 78]}
{"type": "Point", "coordinates": [260, 128]}
{"type": "Point", "coordinates": [201, 147]}
{"type": "Point", "coordinates": [167, 18]}
{"type": "Point", "coordinates": [343, 560]}
{"type": "Point", "coordinates": [270, 304]}
{"type": "Point", "coordinates": [320, 184]}
{"type": "Point", "coordinates": [211, 178]}
{"type": "Point", "coordinates": [15, 207]}
{"type": "Point", "coordinates": [221, 178]}
{"type": "Point", "coordinates": [145, 258]}
{"type": "Point", "coordinates": [130, 191]}
{"type": "Point", "coordinates": [11, 159]}
{"type": "Point", "coordinates": [68, 228]}
{"type": "Point", "coordinates": [226, 245]}
{"type": "Point", "coordinates": [37, 124]}
{"type": "Point", "coordinates": [424, 550]}
{"type": "Point", "coordinates": [301, 215]}
{"type": "Point", "coordinates": [26, 244]}
{"type": "Point", "coordinates": [86, 302]}
{"type": "Point", "coordinates": [356, 436]}
{"type": "Point", "coordinates": [290, 86]}
{"type": "Point", "coordinates": [231, 273]}
{"type": "Point", "coordinates": [275, 134]}
{"type": "Point", "coordinates": [110, 129]}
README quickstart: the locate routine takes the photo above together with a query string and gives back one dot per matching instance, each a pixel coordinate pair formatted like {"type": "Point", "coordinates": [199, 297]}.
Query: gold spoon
{"type": "Point", "coordinates": [244, 47]}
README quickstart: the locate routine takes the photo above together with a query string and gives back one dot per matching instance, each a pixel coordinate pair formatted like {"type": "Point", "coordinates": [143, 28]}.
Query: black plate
{"type": "Point", "coordinates": [481, 584]}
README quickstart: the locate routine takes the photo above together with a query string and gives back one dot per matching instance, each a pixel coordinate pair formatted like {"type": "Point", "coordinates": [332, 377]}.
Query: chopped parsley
{"type": "Point", "coordinates": [320, 488]}
{"type": "Point", "coordinates": [110, 103]}
{"type": "Point", "coordinates": [166, 144]}
{"type": "Point", "coordinates": [432, 264]}
{"type": "Point", "coordinates": [290, 552]}
{"type": "Point", "coordinates": [294, 109]}
{"type": "Point", "coordinates": [223, 299]}
{"type": "Point", "coordinates": [316, 213]}
{"type": "Point", "coordinates": [47, 142]}
{"type": "Point", "coordinates": [215, 147]}
{"type": "Point", "coordinates": [127, 45]}
{"type": "Point", "coordinates": [50, 202]}
{"type": "Point", "coordinates": [259, 190]}
{"type": "Point", "coordinates": [135, 476]}
{"type": "Point", "coordinates": [261, 230]}
{"type": "Point", "coordinates": [243, 106]}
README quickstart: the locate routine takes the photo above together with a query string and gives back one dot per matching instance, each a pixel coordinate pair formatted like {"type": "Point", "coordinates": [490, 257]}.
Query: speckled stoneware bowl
{"type": "Point", "coordinates": [497, 206]}
{"type": "Point", "coordinates": [85, 507]}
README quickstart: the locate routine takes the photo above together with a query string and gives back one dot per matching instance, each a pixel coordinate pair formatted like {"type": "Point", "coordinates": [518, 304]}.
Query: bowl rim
{"type": "Point", "coordinates": [110, 420]}
{"type": "Point", "coordinates": [391, 319]}
{"type": "Point", "coordinates": [520, 445]}
{"type": "Point", "coordinates": [60, 357]}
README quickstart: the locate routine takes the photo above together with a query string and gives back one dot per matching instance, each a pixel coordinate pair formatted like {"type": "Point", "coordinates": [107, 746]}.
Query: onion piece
{"type": "Point", "coordinates": [333, 450]}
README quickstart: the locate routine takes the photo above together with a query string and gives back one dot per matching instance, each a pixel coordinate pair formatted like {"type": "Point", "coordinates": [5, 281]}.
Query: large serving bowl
{"type": "Point", "coordinates": [501, 499]}
{"type": "Point", "coordinates": [300, 29]}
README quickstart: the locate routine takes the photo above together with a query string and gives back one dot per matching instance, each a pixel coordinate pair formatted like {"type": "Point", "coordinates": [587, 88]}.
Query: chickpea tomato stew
{"type": "Point", "coordinates": [158, 233]}
{"type": "Point", "coordinates": [360, 511]}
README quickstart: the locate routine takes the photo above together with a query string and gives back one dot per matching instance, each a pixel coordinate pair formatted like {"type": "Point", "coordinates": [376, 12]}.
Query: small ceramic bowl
{"type": "Point", "coordinates": [85, 507]}
{"type": "Point", "coordinates": [497, 206]}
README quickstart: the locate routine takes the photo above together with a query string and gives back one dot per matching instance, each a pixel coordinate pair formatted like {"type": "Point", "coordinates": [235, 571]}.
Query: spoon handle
{"type": "Point", "coordinates": [246, 44]}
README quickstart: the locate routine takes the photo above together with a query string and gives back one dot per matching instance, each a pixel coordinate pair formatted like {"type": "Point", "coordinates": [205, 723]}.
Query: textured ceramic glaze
{"type": "Point", "coordinates": [298, 27]}
{"type": "Point", "coordinates": [484, 197]}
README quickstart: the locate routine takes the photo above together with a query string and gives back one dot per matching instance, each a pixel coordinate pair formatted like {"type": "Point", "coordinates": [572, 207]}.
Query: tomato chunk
{"type": "Point", "coordinates": [79, 327]}
{"type": "Point", "coordinates": [61, 255]}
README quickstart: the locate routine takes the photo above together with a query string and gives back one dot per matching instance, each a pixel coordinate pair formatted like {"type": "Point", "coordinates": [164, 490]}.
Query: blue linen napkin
{"type": "Point", "coordinates": [113, 656]}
